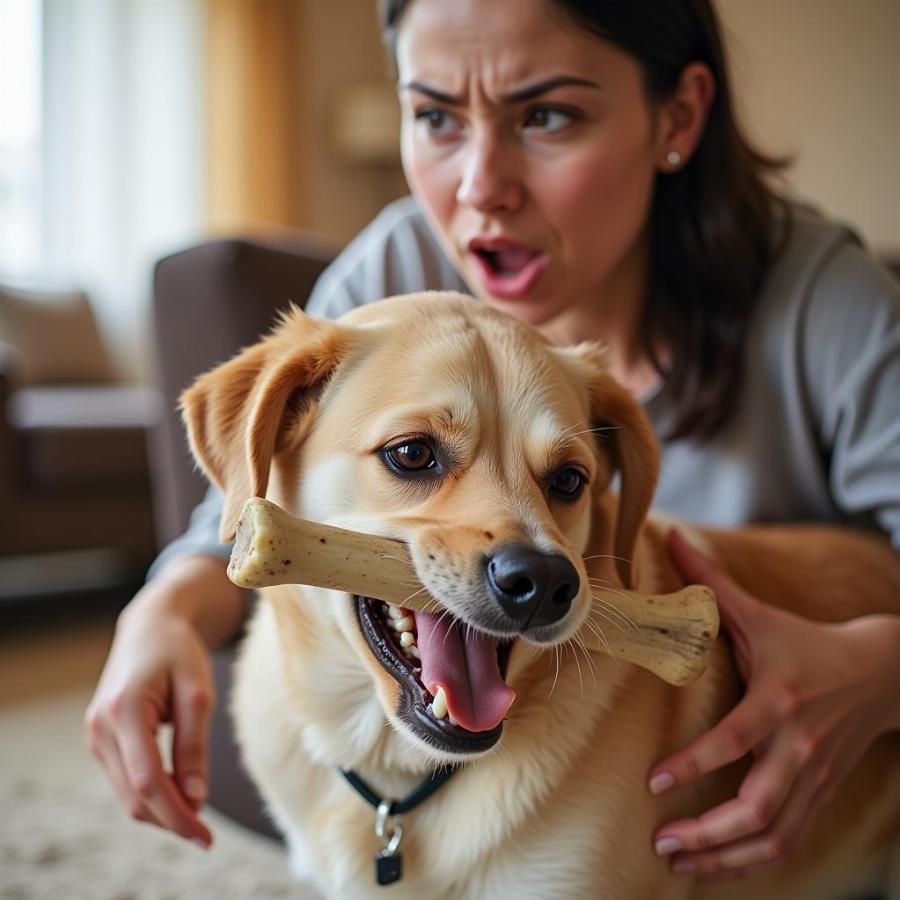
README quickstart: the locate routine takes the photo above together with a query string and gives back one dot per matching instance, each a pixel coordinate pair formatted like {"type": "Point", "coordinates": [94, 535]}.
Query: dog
{"type": "Point", "coordinates": [441, 422]}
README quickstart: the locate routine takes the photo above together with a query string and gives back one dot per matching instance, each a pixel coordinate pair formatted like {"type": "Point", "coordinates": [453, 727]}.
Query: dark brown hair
{"type": "Point", "coordinates": [716, 224]}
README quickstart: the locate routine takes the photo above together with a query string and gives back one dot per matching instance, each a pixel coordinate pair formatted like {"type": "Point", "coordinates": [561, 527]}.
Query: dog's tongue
{"type": "Point", "coordinates": [464, 663]}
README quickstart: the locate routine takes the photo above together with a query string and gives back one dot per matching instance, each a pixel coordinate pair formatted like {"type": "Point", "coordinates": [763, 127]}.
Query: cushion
{"type": "Point", "coordinates": [90, 438]}
{"type": "Point", "coordinates": [56, 335]}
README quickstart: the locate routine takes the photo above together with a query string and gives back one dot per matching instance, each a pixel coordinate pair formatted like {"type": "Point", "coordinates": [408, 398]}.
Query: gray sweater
{"type": "Point", "coordinates": [815, 435]}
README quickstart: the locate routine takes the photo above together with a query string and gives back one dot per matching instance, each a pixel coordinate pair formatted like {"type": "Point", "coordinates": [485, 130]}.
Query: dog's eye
{"type": "Point", "coordinates": [413, 456]}
{"type": "Point", "coordinates": [568, 483]}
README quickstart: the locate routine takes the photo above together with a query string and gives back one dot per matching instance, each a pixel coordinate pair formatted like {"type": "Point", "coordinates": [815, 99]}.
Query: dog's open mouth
{"type": "Point", "coordinates": [452, 675]}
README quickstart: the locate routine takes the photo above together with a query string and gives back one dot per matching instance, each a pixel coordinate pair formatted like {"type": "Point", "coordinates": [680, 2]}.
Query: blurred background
{"type": "Point", "coordinates": [167, 166]}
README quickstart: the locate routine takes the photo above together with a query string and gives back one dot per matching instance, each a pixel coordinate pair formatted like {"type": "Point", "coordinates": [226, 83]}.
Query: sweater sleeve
{"type": "Point", "coordinates": [201, 537]}
{"type": "Point", "coordinates": [851, 353]}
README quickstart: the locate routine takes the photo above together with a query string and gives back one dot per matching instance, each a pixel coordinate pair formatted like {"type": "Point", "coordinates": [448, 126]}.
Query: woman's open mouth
{"type": "Point", "coordinates": [451, 675]}
{"type": "Point", "coordinates": [507, 269]}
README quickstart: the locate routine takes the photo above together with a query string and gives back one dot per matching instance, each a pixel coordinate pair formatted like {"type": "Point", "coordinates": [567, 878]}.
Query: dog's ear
{"type": "Point", "coordinates": [623, 430]}
{"type": "Point", "coordinates": [258, 404]}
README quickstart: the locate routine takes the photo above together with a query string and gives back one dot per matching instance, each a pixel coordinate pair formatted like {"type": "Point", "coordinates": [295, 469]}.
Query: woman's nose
{"type": "Point", "coordinates": [489, 181]}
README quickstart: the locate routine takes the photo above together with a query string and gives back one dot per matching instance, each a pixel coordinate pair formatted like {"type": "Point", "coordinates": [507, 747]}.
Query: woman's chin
{"type": "Point", "coordinates": [534, 309]}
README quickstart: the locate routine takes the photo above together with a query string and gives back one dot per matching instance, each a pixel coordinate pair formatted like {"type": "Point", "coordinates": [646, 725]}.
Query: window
{"type": "Point", "coordinates": [20, 136]}
{"type": "Point", "coordinates": [101, 152]}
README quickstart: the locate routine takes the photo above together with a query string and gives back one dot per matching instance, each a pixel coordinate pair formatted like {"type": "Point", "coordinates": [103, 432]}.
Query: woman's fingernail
{"type": "Point", "coordinates": [683, 866]}
{"type": "Point", "coordinates": [661, 782]}
{"type": "Point", "coordinates": [667, 845]}
{"type": "Point", "coordinates": [195, 787]}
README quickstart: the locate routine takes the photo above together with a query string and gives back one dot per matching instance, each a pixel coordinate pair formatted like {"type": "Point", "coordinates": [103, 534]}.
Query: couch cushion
{"type": "Point", "coordinates": [56, 335]}
{"type": "Point", "coordinates": [77, 439]}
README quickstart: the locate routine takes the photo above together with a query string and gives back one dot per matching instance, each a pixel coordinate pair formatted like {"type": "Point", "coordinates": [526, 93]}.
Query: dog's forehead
{"type": "Point", "coordinates": [450, 328]}
{"type": "Point", "coordinates": [456, 357]}
{"type": "Point", "coordinates": [455, 338]}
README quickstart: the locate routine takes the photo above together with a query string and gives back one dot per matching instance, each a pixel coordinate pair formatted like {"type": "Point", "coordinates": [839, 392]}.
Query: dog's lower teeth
{"type": "Point", "coordinates": [407, 639]}
{"type": "Point", "coordinates": [439, 704]}
{"type": "Point", "coordinates": [407, 623]}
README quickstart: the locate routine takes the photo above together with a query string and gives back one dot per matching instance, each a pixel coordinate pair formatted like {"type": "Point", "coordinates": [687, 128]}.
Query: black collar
{"type": "Point", "coordinates": [389, 863]}
{"type": "Point", "coordinates": [417, 795]}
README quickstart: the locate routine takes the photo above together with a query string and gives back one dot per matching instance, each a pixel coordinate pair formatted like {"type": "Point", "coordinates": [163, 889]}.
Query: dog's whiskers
{"type": "Point", "coordinates": [421, 590]}
{"type": "Point", "coordinates": [607, 556]}
{"type": "Point", "coordinates": [570, 432]}
{"type": "Point", "coordinates": [579, 644]}
{"type": "Point", "coordinates": [398, 559]}
{"type": "Point", "coordinates": [605, 614]}
{"type": "Point", "coordinates": [568, 644]}
{"type": "Point", "coordinates": [610, 607]}
{"type": "Point", "coordinates": [596, 630]}
{"type": "Point", "coordinates": [447, 632]}
{"type": "Point", "coordinates": [616, 623]}
{"type": "Point", "coordinates": [556, 677]}
{"type": "Point", "coordinates": [595, 430]}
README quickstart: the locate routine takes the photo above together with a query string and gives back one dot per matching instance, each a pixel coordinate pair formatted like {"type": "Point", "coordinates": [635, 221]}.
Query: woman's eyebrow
{"type": "Point", "coordinates": [434, 93]}
{"type": "Point", "coordinates": [529, 92]}
{"type": "Point", "coordinates": [542, 87]}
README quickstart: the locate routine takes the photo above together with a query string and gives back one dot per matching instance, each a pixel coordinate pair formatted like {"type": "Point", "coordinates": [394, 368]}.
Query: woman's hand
{"type": "Point", "coordinates": [817, 695]}
{"type": "Point", "coordinates": [159, 671]}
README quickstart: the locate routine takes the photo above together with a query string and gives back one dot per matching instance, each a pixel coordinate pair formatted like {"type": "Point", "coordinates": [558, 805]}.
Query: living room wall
{"type": "Point", "coordinates": [820, 79]}
{"type": "Point", "coordinates": [343, 51]}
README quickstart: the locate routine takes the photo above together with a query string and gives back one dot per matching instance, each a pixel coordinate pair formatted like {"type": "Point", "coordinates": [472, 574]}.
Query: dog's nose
{"type": "Point", "coordinates": [534, 588]}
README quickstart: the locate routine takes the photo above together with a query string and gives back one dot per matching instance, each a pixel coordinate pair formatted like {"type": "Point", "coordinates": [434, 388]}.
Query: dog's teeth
{"type": "Point", "coordinates": [439, 705]}
{"type": "Point", "coordinates": [407, 623]}
{"type": "Point", "coordinates": [395, 612]}
{"type": "Point", "coordinates": [414, 652]}
{"type": "Point", "coordinates": [407, 639]}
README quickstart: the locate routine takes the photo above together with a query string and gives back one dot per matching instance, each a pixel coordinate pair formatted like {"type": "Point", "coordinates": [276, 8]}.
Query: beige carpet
{"type": "Point", "coordinates": [63, 834]}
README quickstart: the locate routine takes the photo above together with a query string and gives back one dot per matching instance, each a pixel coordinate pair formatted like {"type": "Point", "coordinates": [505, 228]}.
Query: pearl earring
{"type": "Point", "coordinates": [673, 157]}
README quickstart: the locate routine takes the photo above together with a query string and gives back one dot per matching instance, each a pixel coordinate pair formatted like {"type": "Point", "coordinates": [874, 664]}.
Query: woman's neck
{"type": "Point", "coordinates": [612, 315]}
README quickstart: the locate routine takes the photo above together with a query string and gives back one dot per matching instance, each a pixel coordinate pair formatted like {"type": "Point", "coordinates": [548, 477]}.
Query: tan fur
{"type": "Point", "coordinates": [559, 808]}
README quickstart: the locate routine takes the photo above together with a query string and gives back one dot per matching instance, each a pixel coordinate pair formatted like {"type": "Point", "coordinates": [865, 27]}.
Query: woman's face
{"type": "Point", "coordinates": [532, 148]}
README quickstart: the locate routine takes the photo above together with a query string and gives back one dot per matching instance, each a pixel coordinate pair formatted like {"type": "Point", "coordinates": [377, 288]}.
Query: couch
{"type": "Point", "coordinates": [74, 471]}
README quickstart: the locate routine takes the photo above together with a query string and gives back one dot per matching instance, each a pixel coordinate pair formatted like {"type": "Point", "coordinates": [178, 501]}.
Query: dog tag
{"type": "Point", "coordinates": [388, 867]}
{"type": "Point", "coordinates": [388, 863]}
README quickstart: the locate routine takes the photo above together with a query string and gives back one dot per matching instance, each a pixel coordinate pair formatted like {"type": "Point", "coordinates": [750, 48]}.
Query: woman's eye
{"type": "Point", "coordinates": [549, 119]}
{"type": "Point", "coordinates": [438, 122]}
{"type": "Point", "coordinates": [413, 456]}
{"type": "Point", "coordinates": [568, 483]}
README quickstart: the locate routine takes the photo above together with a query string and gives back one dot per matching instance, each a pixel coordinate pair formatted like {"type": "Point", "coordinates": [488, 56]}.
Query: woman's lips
{"type": "Point", "coordinates": [507, 269]}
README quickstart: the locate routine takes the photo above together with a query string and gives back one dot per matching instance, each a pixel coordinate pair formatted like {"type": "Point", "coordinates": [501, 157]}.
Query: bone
{"type": "Point", "coordinates": [667, 634]}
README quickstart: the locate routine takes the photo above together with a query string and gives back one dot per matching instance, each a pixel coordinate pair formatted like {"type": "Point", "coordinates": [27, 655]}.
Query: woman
{"type": "Point", "coordinates": [578, 165]}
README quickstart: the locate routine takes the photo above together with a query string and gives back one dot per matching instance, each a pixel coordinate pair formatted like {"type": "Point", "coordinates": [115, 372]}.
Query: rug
{"type": "Point", "coordinates": [64, 835]}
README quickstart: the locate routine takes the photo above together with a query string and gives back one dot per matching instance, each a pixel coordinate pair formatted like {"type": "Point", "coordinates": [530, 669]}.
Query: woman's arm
{"type": "Point", "coordinates": [159, 671]}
